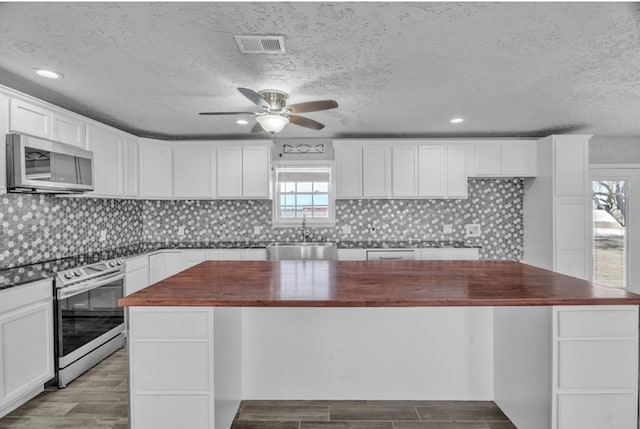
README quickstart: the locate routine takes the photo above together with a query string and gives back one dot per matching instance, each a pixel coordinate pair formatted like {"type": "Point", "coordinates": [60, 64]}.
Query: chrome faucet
{"type": "Point", "coordinates": [304, 228]}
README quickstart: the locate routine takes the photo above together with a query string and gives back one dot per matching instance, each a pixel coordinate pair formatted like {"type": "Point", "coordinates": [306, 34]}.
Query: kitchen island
{"type": "Point", "coordinates": [551, 350]}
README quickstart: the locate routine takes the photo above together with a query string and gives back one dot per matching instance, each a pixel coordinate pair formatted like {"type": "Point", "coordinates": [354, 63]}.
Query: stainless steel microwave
{"type": "Point", "coordinates": [38, 165]}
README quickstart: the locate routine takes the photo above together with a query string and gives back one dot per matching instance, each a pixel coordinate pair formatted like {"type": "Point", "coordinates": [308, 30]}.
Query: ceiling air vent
{"type": "Point", "coordinates": [261, 44]}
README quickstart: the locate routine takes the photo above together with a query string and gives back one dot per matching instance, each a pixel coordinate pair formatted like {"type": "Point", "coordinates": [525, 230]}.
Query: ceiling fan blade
{"type": "Point", "coordinates": [305, 122]}
{"type": "Point", "coordinates": [257, 128]}
{"type": "Point", "coordinates": [312, 106]}
{"type": "Point", "coordinates": [254, 97]}
{"type": "Point", "coordinates": [226, 113]}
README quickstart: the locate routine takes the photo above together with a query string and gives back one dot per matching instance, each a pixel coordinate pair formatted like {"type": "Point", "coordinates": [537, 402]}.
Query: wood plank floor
{"type": "Point", "coordinates": [98, 400]}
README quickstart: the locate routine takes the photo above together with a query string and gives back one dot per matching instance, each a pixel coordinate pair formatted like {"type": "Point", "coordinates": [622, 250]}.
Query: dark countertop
{"type": "Point", "coordinates": [15, 276]}
{"type": "Point", "coordinates": [373, 284]}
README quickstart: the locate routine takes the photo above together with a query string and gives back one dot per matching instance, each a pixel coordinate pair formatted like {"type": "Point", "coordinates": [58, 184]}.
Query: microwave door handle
{"type": "Point", "coordinates": [64, 293]}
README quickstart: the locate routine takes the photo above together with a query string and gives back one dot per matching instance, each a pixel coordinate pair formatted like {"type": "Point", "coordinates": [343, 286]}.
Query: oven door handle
{"type": "Point", "coordinates": [70, 291]}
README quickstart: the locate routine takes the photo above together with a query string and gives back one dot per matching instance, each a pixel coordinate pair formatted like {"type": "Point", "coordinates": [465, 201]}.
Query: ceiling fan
{"type": "Point", "coordinates": [275, 114]}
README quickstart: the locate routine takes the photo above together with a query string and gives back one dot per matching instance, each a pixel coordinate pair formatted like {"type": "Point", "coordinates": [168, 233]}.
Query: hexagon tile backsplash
{"type": "Point", "coordinates": [42, 227]}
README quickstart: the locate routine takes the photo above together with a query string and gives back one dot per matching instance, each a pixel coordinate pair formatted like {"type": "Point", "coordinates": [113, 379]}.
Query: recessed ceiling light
{"type": "Point", "coordinates": [49, 74]}
{"type": "Point", "coordinates": [456, 120]}
{"type": "Point", "coordinates": [242, 122]}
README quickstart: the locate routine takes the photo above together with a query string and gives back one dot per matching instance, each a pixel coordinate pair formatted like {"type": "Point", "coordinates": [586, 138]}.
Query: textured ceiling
{"type": "Point", "coordinates": [396, 69]}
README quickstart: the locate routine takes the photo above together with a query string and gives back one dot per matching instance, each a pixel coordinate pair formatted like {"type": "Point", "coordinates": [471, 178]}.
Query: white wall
{"type": "Point", "coordinates": [614, 150]}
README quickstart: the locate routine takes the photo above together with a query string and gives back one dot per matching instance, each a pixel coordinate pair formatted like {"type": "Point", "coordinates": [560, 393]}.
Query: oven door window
{"type": "Point", "coordinates": [86, 316]}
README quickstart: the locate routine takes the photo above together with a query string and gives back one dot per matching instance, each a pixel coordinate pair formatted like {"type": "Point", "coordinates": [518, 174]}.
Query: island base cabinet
{"type": "Point", "coordinates": [567, 367]}
{"type": "Point", "coordinates": [178, 375]}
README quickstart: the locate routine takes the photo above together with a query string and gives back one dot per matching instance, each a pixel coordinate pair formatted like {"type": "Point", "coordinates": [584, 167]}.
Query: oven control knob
{"type": "Point", "coordinates": [68, 275]}
{"type": "Point", "coordinates": [119, 261]}
{"type": "Point", "coordinates": [78, 273]}
{"type": "Point", "coordinates": [112, 263]}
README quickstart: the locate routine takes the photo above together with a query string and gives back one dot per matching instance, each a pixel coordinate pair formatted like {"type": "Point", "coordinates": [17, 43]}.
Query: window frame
{"type": "Point", "coordinates": [280, 222]}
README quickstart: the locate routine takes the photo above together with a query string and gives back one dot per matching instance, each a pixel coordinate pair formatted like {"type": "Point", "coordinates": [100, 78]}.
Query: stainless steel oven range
{"type": "Point", "coordinates": [89, 323]}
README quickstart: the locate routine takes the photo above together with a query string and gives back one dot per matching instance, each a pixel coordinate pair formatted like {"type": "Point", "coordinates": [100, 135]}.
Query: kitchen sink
{"type": "Point", "coordinates": [301, 250]}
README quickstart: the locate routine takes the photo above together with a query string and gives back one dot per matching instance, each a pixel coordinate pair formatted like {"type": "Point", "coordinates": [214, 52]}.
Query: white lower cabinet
{"type": "Point", "coordinates": [137, 274]}
{"type": "Point", "coordinates": [164, 264]}
{"type": "Point", "coordinates": [448, 253]}
{"type": "Point", "coordinates": [567, 367]}
{"type": "Point", "coordinates": [352, 254]}
{"type": "Point", "coordinates": [237, 255]}
{"type": "Point", "coordinates": [26, 342]}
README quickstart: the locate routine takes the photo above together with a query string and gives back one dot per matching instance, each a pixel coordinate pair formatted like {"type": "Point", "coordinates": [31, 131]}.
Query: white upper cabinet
{"type": "Point", "coordinates": [229, 171]}
{"type": "Point", "coordinates": [571, 160]}
{"type": "Point", "coordinates": [29, 118]}
{"type": "Point", "coordinates": [155, 169]}
{"type": "Point", "coordinates": [348, 169]}
{"type": "Point", "coordinates": [509, 158]}
{"type": "Point", "coordinates": [131, 158]}
{"type": "Point", "coordinates": [456, 171]}
{"type": "Point", "coordinates": [192, 170]}
{"type": "Point", "coordinates": [243, 171]}
{"type": "Point", "coordinates": [431, 165]}
{"type": "Point", "coordinates": [376, 166]}
{"type": "Point", "coordinates": [399, 169]}
{"type": "Point", "coordinates": [107, 148]}
{"type": "Point", "coordinates": [36, 120]}
{"type": "Point", "coordinates": [66, 129]}
{"type": "Point", "coordinates": [404, 179]}
{"type": "Point", "coordinates": [256, 163]}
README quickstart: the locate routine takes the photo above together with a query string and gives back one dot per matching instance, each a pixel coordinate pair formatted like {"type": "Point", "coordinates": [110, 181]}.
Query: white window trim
{"type": "Point", "coordinates": [297, 222]}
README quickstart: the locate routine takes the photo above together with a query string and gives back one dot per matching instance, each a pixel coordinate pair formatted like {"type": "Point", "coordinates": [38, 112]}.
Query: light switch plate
{"type": "Point", "coordinates": [181, 230]}
{"type": "Point", "coordinates": [103, 235]}
{"type": "Point", "coordinates": [472, 230]}
{"type": "Point", "coordinates": [256, 230]}
{"type": "Point", "coordinates": [346, 229]}
{"type": "Point", "coordinates": [447, 228]}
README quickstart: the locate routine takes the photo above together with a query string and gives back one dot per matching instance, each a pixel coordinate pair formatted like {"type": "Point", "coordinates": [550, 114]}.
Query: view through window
{"type": "Point", "coordinates": [303, 191]}
{"type": "Point", "coordinates": [610, 235]}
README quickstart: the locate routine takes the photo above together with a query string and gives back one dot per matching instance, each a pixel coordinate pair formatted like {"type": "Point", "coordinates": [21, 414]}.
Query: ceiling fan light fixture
{"type": "Point", "coordinates": [272, 123]}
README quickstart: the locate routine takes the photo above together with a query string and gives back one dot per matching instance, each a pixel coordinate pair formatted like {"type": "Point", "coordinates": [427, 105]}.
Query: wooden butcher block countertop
{"type": "Point", "coordinates": [373, 284]}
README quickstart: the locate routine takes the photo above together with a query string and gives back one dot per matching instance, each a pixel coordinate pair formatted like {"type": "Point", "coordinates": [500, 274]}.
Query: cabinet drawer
{"type": "Point", "coordinates": [598, 323]}
{"type": "Point", "coordinates": [391, 255]}
{"type": "Point", "coordinates": [597, 411]}
{"type": "Point", "coordinates": [586, 364]}
{"type": "Point", "coordinates": [169, 323]}
{"type": "Point", "coordinates": [19, 296]}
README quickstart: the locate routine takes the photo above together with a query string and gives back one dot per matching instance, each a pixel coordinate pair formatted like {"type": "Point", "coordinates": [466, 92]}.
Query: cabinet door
{"type": "Point", "coordinates": [131, 159]}
{"type": "Point", "coordinates": [66, 129]}
{"type": "Point", "coordinates": [570, 165]}
{"type": "Point", "coordinates": [254, 254]}
{"type": "Point", "coordinates": [456, 171]}
{"type": "Point", "coordinates": [431, 171]}
{"type": "Point", "coordinates": [107, 161]}
{"type": "Point", "coordinates": [30, 119]}
{"type": "Point", "coordinates": [26, 338]}
{"type": "Point", "coordinates": [4, 129]}
{"type": "Point", "coordinates": [488, 159]}
{"type": "Point", "coordinates": [137, 276]}
{"type": "Point", "coordinates": [375, 170]}
{"type": "Point", "coordinates": [348, 167]}
{"type": "Point", "coordinates": [155, 165]}
{"type": "Point", "coordinates": [163, 265]}
{"type": "Point", "coordinates": [192, 172]}
{"type": "Point", "coordinates": [404, 181]}
{"type": "Point", "coordinates": [255, 172]}
{"type": "Point", "coordinates": [229, 171]}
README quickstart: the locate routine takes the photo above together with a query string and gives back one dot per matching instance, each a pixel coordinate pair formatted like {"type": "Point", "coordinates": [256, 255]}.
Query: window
{"type": "Point", "coordinates": [616, 236]}
{"type": "Point", "coordinates": [303, 191]}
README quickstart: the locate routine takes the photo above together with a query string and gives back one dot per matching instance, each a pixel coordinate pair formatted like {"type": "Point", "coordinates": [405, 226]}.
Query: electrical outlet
{"type": "Point", "coordinates": [256, 230]}
{"type": "Point", "coordinates": [472, 230]}
{"type": "Point", "coordinates": [181, 230]}
{"type": "Point", "coordinates": [346, 229]}
{"type": "Point", "coordinates": [447, 228]}
{"type": "Point", "coordinates": [372, 228]}
{"type": "Point", "coordinates": [103, 235]}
